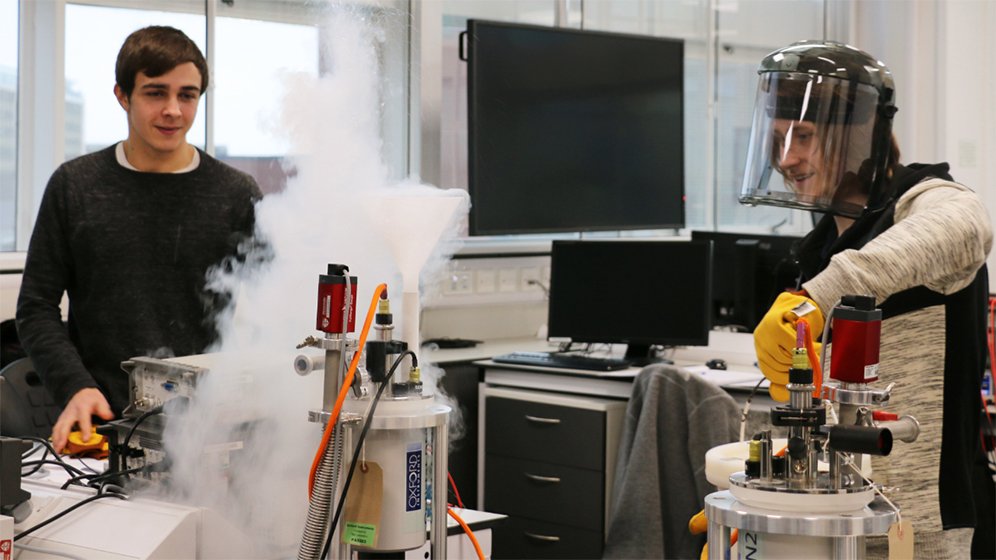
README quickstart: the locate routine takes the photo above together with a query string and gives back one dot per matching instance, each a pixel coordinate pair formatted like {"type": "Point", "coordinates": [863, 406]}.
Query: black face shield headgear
{"type": "Point", "coordinates": [823, 123]}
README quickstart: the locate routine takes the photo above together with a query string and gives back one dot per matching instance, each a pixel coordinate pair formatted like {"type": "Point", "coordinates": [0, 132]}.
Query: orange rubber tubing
{"type": "Point", "coordinates": [346, 384]}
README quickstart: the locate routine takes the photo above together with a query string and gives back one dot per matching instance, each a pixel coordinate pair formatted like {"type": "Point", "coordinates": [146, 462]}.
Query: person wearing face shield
{"type": "Point", "coordinates": [906, 234]}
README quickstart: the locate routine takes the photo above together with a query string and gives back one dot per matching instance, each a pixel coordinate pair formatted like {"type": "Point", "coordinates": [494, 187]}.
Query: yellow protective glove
{"type": "Point", "coordinates": [775, 338]}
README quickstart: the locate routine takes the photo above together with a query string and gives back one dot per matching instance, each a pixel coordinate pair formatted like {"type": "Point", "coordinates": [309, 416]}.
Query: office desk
{"type": "Point", "coordinates": [547, 448]}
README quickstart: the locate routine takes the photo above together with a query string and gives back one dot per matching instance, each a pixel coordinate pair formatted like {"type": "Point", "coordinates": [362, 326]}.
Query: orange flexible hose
{"type": "Point", "coordinates": [456, 493]}
{"type": "Point", "coordinates": [814, 360]}
{"type": "Point", "coordinates": [346, 384]}
{"type": "Point", "coordinates": [466, 529]}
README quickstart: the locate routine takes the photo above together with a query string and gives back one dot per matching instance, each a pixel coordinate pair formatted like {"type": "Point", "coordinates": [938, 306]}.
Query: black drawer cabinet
{"type": "Point", "coordinates": [544, 491]}
{"type": "Point", "coordinates": [546, 462]}
{"type": "Point", "coordinates": [520, 537]}
{"type": "Point", "coordinates": [550, 433]}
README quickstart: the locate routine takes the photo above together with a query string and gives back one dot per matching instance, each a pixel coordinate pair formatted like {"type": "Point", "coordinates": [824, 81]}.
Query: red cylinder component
{"type": "Point", "coordinates": [883, 416]}
{"type": "Point", "coordinates": [856, 336]}
{"type": "Point", "coordinates": [331, 297]}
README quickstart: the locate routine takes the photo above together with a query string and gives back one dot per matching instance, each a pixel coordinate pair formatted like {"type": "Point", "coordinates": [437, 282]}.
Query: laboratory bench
{"type": "Point", "coordinates": [162, 529]}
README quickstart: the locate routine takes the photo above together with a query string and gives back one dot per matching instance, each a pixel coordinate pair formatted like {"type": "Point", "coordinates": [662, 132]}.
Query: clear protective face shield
{"type": "Point", "coordinates": [816, 143]}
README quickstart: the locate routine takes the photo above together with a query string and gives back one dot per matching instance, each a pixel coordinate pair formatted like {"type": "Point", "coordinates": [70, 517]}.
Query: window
{"type": "Point", "coordinates": [249, 78]}
{"type": "Point", "coordinates": [8, 124]}
{"type": "Point", "coordinates": [94, 120]}
{"type": "Point", "coordinates": [68, 107]}
{"type": "Point", "coordinates": [745, 36]}
{"type": "Point", "coordinates": [256, 44]}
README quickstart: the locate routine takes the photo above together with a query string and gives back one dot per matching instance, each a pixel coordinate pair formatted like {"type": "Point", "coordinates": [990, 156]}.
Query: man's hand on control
{"type": "Point", "coordinates": [84, 404]}
{"type": "Point", "coordinates": [775, 338]}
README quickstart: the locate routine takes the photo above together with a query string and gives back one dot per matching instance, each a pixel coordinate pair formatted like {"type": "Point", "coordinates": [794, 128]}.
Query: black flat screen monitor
{"type": "Point", "coordinates": [640, 293]}
{"type": "Point", "coordinates": [748, 273]}
{"type": "Point", "coordinates": [572, 130]}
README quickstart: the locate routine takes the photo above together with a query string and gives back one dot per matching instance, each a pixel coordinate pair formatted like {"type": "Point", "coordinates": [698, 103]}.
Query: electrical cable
{"type": "Point", "coordinates": [352, 468]}
{"type": "Point", "coordinates": [743, 415]}
{"type": "Point", "coordinates": [66, 511]}
{"type": "Point", "coordinates": [38, 466]}
{"type": "Point", "coordinates": [50, 448]}
{"type": "Point", "coordinates": [346, 385]}
{"type": "Point", "coordinates": [88, 467]}
{"type": "Point", "coordinates": [105, 475]}
{"type": "Point", "coordinates": [456, 493]}
{"type": "Point", "coordinates": [359, 445]}
{"type": "Point", "coordinates": [849, 462]}
{"type": "Point", "coordinates": [69, 468]}
{"type": "Point", "coordinates": [470, 534]}
{"type": "Point", "coordinates": [34, 449]}
{"type": "Point", "coordinates": [101, 476]}
{"type": "Point", "coordinates": [146, 414]}
{"type": "Point", "coordinates": [42, 441]}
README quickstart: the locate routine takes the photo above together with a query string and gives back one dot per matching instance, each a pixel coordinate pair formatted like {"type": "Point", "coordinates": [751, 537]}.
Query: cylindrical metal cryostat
{"type": "Point", "coordinates": [331, 300]}
{"type": "Point", "coordinates": [857, 327]}
{"type": "Point", "coordinates": [401, 455]}
{"type": "Point", "coordinates": [403, 440]}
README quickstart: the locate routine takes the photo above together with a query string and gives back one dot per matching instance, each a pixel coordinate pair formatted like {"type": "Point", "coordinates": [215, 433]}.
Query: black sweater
{"type": "Point", "coordinates": [132, 250]}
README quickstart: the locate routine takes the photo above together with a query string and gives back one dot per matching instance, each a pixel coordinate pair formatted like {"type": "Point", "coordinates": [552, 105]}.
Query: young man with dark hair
{"type": "Point", "coordinates": [130, 233]}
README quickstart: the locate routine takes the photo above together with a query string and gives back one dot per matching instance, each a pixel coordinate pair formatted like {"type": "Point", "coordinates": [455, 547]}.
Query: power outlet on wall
{"type": "Point", "coordinates": [508, 280]}
{"type": "Point", "coordinates": [487, 281]}
{"type": "Point", "coordinates": [528, 278]}
{"type": "Point", "coordinates": [460, 282]}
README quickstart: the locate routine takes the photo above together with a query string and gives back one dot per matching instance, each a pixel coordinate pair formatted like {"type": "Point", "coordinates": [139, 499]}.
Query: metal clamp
{"type": "Point", "coordinates": [859, 397]}
{"type": "Point", "coordinates": [336, 343]}
{"type": "Point", "coordinates": [323, 416]}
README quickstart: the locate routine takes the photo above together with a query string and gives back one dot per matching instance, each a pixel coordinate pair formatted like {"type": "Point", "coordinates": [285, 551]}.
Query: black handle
{"type": "Point", "coordinates": [544, 538]}
{"type": "Point", "coordinates": [462, 46]}
{"type": "Point", "coordinates": [861, 439]}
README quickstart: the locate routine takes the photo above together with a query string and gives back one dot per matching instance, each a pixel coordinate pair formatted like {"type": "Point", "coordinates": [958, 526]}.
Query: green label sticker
{"type": "Point", "coordinates": [362, 534]}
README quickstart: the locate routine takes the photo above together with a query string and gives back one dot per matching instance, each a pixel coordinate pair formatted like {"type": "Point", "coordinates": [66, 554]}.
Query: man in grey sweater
{"type": "Point", "coordinates": [130, 233]}
{"type": "Point", "coordinates": [909, 236]}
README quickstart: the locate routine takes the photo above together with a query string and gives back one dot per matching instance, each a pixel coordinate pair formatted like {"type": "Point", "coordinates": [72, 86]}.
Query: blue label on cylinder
{"type": "Point", "coordinates": [413, 478]}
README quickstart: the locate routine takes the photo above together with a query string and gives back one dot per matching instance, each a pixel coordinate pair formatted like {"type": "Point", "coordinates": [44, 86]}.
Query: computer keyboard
{"type": "Point", "coordinates": [566, 361]}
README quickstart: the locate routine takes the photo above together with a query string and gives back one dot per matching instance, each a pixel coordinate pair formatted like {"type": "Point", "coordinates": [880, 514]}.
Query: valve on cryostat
{"type": "Point", "coordinates": [855, 337]}
{"type": "Point", "coordinates": [857, 328]}
{"type": "Point", "coordinates": [336, 318]}
{"type": "Point", "coordinates": [333, 290]}
{"type": "Point", "coordinates": [384, 350]}
{"type": "Point", "coordinates": [802, 410]}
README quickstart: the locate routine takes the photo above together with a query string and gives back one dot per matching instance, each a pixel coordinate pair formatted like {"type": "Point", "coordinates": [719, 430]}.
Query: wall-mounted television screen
{"type": "Point", "coordinates": [572, 130]}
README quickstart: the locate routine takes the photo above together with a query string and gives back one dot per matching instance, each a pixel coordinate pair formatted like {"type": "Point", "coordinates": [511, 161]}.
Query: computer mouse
{"type": "Point", "coordinates": [716, 363]}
